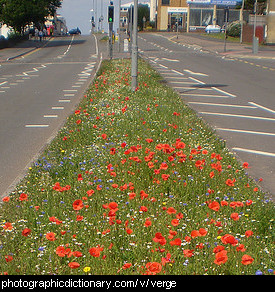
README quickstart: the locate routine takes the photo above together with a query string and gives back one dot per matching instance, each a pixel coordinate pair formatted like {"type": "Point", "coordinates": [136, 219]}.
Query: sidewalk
{"type": "Point", "coordinates": [216, 46]}
{"type": "Point", "coordinates": [21, 49]}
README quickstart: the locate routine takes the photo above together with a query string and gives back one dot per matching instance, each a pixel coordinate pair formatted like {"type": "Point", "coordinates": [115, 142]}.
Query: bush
{"type": "Point", "coordinates": [234, 29]}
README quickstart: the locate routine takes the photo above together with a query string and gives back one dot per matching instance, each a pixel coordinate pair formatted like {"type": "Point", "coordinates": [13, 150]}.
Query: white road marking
{"type": "Point", "coordinates": [36, 126]}
{"type": "Point", "coordinates": [64, 100]}
{"type": "Point", "coordinates": [254, 152]}
{"type": "Point", "coordinates": [262, 107]}
{"type": "Point", "coordinates": [222, 104]}
{"type": "Point", "coordinates": [70, 90]}
{"type": "Point", "coordinates": [170, 60]}
{"type": "Point", "coordinates": [57, 108]}
{"type": "Point", "coordinates": [198, 81]}
{"type": "Point", "coordinates": [246, 132]}
{"type": "Point", "coordinates": [50, 116]}
{"type": "Point", "coordinates": [203, 95]}
{"type": "Point", "coordinates": [224, 92]}
{"type": "Point", "coordinates": [195, 73]}
{"type": "Point", "coordinates": [175, 71]}
{"type": "Point", "coordinates": [238, 116]}
{"type": "Point", "coordinates": [68, 95]}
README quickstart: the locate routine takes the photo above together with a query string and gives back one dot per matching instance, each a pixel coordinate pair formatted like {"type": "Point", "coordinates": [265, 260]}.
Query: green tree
{"type": "Point", "coordinates": [19, 13]}
{"type": "Point", "coordinates": [249, 5]}
{"type": "Point", "coordinates": [143, 11]}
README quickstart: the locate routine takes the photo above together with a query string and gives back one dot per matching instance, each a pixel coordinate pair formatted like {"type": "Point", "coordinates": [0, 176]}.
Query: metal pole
{"type": "Point", "coordinates": [110, 40]}
{"type": "Point", "coordinates": [119, 32]}
{"type": "Point", "coordinates": [241, 38]}
{"type": "Point", "coordinates": [135, 48]}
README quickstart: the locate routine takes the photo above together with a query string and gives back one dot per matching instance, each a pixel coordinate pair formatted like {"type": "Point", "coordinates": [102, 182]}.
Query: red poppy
{"type": "Point", "coordinates": [78, 205]}
{"type": "Point", "coordinates": [147, 223]}
{"type": "Point", "coordinates": [195, 233]}
{"type": "Point", "coordinates": [153, 268]}
{"type": "Point", "coordinates": [51, 236]}
{"type": "Point", "coordinates": [6, 199]}
{"type": "Point", "coordinates": [230, 182]}
{"type": "Point", "coordinates": [8, 226]}
{"type": "Point", "coordinates": [218, 248]}
{"type": "Point", "coordinates": [126, 266]}
{"type": "Point", "coordinates": [235, 216]}
{"type": "Point", "coordinates": [176, 241]}
{"type": "Point", "coordinates": [221, 257]}
{"type": "Point", "coordinates": [74, 265]}
{"type": "Point", "coordinates": [8, 258]}
{"type": "Point", "coordinates": [247, 260]}
{"type": "Point", "coordinates": [143, 209]}
{"type": "Point", "coordinates": [95, 251]}
{"type": "Point", "coordinates": [188, 252]}
{"type": "Point", "coordinates": [229, 239]}
{"type": "Point", "coordinates": [26, 232]}
{"type": "Point", "coordinates": [159, 238]}
{"type": "Point", "coordinates": [175, 222]}
{"type": "Point", "coordinates": [215, 206]}
{"type": "Point", "coordinates": [23, 197]}
{"type": "Point", "coordinates": [171, 210]}
{"type": "Point", "coordinates": [248, 233]}
{"type": "Point", "coordinates": [241, 248]}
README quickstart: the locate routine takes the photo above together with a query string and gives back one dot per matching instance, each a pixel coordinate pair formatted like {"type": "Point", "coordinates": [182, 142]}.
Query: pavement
{"type": "Point", "coordinates": [21, 49]}
{"type": "Point", "coordinates": [216, 46]}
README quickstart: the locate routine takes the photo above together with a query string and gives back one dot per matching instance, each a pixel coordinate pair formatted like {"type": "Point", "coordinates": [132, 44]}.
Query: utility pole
{"type": "Point", "coordinates": [135, 48]}
{"type": "Point", "coordinates": [119, 31]}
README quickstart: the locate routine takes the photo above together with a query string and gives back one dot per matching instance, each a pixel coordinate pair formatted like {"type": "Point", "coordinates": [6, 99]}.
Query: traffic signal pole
{"type": "Point", "coordinates": [111, 21]}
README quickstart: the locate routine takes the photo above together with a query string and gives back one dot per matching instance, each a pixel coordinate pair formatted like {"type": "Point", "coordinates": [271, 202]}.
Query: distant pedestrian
{"type": "Point", "coordinates": [45, 33]}
{"type": "Point", "coordinates": [40, 35]}
{"type": "Point", "coordinates": [36, 32]}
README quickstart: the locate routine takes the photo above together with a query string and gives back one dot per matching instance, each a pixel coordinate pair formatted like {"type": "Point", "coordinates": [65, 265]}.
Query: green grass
{"type": "Point", "coordinates": [220, 36]}
{"type": "Point", "coordinates": [162, 169]}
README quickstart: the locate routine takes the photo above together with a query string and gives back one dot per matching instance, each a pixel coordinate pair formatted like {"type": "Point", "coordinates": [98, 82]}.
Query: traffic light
{"type": "Point", "coordinates": [111, 13]}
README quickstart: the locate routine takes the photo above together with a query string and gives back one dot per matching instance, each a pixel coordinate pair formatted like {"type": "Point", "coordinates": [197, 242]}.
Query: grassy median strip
{"type": "Point", "coordinates": [136, 183]}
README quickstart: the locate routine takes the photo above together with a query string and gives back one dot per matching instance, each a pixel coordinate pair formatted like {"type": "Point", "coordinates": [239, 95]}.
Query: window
{"type": "Point", "coordinates": [165, 2]}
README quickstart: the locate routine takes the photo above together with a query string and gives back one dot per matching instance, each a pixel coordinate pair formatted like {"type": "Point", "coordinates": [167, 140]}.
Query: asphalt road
{"type": "Point", "coordinates": [37, 92]}
{"type": "Point", "coordinates": [235, 96]}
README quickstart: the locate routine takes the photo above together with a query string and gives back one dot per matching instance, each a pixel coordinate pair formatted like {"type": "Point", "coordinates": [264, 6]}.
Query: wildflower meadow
{"type": "Point", "coordinates": [135, 183]}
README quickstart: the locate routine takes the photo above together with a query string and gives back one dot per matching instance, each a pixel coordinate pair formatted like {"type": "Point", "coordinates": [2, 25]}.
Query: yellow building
{"type": "Point", "coordinates": [171, 12]}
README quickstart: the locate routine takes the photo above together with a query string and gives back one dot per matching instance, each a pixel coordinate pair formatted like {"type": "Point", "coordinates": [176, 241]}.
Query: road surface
{"type": "Point", "coordinates": [37, 92]}
{"type": "Point", "coordinates": [235, 96]}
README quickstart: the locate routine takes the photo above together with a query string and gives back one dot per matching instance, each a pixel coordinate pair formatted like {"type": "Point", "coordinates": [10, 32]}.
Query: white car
{"type": "Point", "coordinates": [213, 28]}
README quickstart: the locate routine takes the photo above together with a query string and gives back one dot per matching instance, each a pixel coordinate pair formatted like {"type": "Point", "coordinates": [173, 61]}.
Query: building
{"type": "Point", "coordinates": [270, 27]}
{"type": "Point", "coordinates": [171, 12]}
{"type": "Point", "coordinates": [195, 15]}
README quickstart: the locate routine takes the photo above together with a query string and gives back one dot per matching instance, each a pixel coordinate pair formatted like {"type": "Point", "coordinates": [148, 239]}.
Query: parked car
{"type": "Point", "coordinates": [75, 31]}
{"type": "Point", "coordinates": [213, 29]}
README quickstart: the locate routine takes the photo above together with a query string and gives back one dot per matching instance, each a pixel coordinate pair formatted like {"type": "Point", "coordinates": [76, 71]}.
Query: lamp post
{"type": "Point", "coordinates": [135, 48]}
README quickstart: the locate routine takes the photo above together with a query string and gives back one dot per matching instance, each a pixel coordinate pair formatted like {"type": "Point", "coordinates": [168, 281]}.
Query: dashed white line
{"type": "Point", "coordinates": [50, 116]}
{"type": "Point", "coordinates": [58, 108]}
{"type": "Point", "coordinates": [36, 126]}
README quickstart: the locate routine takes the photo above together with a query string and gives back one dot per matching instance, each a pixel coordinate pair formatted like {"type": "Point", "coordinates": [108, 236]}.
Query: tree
{"type": "Point", "coordinates": [20, 13]}
{"type": "Point", "coordinates": [249, 5]}
{"type": "Point", "coordinates": [143, 11]}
